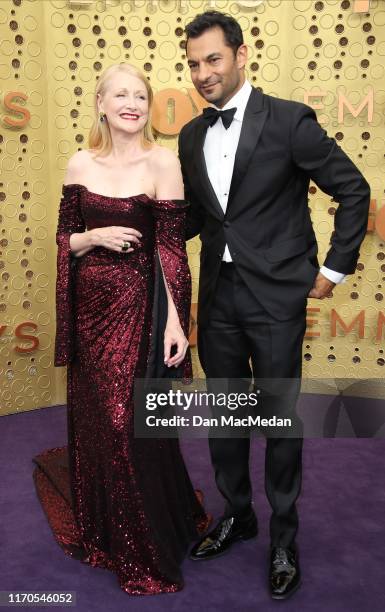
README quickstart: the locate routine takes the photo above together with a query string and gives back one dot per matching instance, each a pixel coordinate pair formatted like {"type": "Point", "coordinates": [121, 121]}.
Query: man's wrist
{"type": "Point", "coordinates": [335, 277]}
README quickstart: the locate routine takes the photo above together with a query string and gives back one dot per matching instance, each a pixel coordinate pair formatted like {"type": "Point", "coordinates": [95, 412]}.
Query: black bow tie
{"type": "Point", "coordinates": [212, 114]}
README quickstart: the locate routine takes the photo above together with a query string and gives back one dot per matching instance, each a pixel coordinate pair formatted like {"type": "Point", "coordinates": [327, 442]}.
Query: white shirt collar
{"type": "Point", "coordinates": [239, 100]}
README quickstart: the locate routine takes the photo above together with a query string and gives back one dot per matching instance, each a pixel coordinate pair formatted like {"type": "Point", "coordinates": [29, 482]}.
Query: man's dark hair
{"type": "Point", "coordinates": [214, 19]}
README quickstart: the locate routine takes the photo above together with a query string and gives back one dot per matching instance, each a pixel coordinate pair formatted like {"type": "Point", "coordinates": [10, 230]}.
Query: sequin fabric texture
{"type": "Point", "coordinates": [113, 500]}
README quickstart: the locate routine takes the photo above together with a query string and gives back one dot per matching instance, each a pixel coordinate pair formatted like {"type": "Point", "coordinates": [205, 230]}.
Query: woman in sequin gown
{"type": "Point", "coordinates": [114, 500]}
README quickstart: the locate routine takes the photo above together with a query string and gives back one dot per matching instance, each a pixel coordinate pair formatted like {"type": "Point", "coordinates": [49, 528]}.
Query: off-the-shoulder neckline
{"type": "Point", "coordinates": [132, 197]}
{"type": "Point", "coordinates": [102, 195]}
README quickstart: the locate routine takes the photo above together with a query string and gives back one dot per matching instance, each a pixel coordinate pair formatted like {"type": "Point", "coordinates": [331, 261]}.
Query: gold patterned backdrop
{"type": "Point", "coordinates": [328, 53]}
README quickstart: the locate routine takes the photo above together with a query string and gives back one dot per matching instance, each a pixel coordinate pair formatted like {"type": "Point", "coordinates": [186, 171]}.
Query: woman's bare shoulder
{"type": "Point", "coordinates": [77, 164]}
{"type": "Point", "coordinates": [163, 158]}
{"type": "Point", "coordinates": [167, 175]}
{"type": "Point", "coordinates": [81, 155]}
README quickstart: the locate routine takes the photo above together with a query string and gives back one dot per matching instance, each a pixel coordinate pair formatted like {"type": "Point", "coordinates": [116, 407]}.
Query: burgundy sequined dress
{"type": "Point", "coordinates": [113, 500]}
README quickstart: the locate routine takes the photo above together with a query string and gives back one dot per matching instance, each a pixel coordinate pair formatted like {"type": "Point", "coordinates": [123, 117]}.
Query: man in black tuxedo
{"type": "Point", "coordinates": [247, 163]}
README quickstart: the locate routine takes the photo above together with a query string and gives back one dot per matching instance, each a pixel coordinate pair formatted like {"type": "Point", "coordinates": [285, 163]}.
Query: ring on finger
{"type": "Point", "coordinates": [126, 246]}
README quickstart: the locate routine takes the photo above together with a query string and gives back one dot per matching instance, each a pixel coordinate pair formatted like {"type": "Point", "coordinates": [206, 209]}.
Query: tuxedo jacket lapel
{"type": "Point", "coordinates": [200, 164]}
{"type": "Point", "coordinates": [252, 125]}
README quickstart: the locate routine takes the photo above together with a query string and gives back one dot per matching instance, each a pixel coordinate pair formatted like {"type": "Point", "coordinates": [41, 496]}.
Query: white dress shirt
{"type": "Point", "coordinates": [219, 151]}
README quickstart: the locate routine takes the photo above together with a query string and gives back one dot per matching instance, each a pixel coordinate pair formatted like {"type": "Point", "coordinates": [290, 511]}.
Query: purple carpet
{"type": "Point", "coordinates": [341, 537]}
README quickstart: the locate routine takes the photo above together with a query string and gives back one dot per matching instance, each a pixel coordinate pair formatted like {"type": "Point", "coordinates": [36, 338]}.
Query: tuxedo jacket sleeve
{"type": "Point", "coordinates": [195, 213]}
{"type": "Point", "coordinates": [333, 172]}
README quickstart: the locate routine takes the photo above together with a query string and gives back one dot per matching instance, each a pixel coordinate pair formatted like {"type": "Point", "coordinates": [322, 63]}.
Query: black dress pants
{"type": "Point", "coordinates": [240, 332]}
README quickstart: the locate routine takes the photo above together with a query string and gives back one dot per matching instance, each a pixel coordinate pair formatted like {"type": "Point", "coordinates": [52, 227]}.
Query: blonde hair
{"type": "Point", "coordinates": [99, 138]}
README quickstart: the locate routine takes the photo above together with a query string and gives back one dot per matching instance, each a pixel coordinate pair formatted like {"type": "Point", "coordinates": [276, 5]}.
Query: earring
{"type": "Point", "coordinates": [101, 117]}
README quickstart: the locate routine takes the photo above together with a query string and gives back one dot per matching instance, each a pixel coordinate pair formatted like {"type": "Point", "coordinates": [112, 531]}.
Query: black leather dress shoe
{"type": "Point", "coordinates": [220, 539]}
{"type": "Point", "coordinates": [285, 576]}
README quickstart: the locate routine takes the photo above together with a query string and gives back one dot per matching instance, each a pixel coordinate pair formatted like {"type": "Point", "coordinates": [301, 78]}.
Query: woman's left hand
{"type": "Point", "coordinates": [174, 335]}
